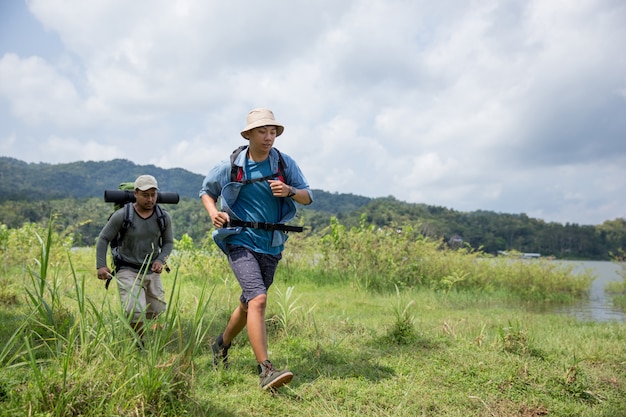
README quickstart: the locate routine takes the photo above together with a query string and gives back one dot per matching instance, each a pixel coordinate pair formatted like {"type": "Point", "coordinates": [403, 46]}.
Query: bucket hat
{"type": "Point", "coordinates": [262, 117]}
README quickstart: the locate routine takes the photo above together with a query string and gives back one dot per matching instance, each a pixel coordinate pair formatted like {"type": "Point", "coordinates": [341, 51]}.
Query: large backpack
{"type": "Point", "coordinates": [236, 172]}
{"type": "Point", "coordinates": [127, 223]}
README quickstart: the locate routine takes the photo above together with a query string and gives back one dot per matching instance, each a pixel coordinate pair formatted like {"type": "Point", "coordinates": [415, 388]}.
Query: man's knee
{"type": "Point", "coordinates": [134, 315]}
{"type": "Point", "coordinates": [258, 303]}
{"type": "Point", "coordinates": [155, 308]}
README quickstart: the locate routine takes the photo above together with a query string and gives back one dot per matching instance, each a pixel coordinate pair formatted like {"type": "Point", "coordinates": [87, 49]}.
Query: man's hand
{"type": "Point", "coordinates": [219, 219]}
{"type": "Point", "coordinates": [157, 267]}
{"type": "Point", "coordinates": [104, 273]}
{"type": "Point", "coordinates": [279, 188]}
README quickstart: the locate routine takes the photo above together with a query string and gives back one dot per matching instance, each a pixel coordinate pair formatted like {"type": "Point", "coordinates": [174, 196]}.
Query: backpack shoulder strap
{"type": "Point", "coordinates": [127, 222]}
{"type": "Point", "coordinates": [161, 218]}
{"type": "Point", "coordinates": [281, 167]}
{"type": "Point", "coordinates": [235, 171]}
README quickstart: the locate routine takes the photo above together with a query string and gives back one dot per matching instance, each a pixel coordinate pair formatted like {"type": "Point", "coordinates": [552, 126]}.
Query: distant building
{"type": "Point", "coordinates": [455, 242]}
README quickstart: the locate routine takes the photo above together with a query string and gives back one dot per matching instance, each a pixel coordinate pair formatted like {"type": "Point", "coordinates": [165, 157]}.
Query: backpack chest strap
{"type": "Point", "coordinates": [265, 178]}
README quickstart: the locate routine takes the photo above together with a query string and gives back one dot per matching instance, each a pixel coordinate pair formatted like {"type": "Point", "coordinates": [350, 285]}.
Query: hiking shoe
{"type": "Point", "coordinates": [140, 345]}
{"type": "Point", "coordinates": [220, 352]}
{"type": "Point", "coordinates": [272, 378]}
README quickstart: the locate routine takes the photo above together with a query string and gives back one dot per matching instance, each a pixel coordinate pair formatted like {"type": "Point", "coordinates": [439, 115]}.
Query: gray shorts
{"type": "Point", "coordinates": [254, 271]}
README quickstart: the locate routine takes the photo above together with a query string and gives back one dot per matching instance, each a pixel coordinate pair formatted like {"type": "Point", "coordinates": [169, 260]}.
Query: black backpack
{"type": "Point", "coordinates": [127, 223]}
{"type": "Point", "coordinates": [236, 173]}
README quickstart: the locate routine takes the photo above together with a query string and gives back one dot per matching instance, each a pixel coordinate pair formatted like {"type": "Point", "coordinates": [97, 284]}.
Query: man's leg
{"type": "Point", "coordinates": [155, 298]}
{"type": "Point", "coordinates": [132, 297]}
{"type": "Point", "coordinates": [236, 323]}
{"type": "Point", "coordinates": [256, 327]}
{"type": "Point", "coordinates": [255, 273]}
{"type": "Point", "coordinates": [270, 377]}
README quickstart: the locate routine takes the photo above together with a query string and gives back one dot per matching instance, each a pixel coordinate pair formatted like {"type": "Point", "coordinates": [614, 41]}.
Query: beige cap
{"type": "Point", "coordinates": [146, 182]}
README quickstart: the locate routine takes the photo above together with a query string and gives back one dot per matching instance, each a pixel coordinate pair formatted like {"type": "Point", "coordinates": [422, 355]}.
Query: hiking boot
{"type": "Point", "coordinates": [140, 345]}
{"type": "Point", "coordinates": [272, 378]}
{"type": "Point", "coordinates": [220, 352]}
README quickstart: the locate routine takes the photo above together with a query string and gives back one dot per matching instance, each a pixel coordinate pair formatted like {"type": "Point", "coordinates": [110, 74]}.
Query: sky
{"type": "Point", "coordinates": [514, 106]}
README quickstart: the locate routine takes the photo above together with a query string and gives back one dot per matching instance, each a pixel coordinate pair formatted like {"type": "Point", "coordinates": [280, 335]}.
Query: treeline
{"type": "Point", "coordinates": [493, 232]}
{"type": "Point", "coordinates": [72, 194]}
{"type": "Point", "coordinates": [487, 231]}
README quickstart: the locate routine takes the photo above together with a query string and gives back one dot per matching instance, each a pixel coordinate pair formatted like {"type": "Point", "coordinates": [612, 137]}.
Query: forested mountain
{"type": "Point", "coordinates": [23, 181]}
{"type": "Point", "coordinates": [73, 194]}
{"type": "Point", "coordinates": [28, 181]}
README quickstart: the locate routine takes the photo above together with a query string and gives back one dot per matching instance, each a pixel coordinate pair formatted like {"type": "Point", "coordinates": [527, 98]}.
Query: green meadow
{"type": "Point", "coordinates": [372, 322]}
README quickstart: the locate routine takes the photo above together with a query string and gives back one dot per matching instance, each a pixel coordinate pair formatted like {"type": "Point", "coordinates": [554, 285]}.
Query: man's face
{"type": "Point", "coordinates": [263, 137]}
{"type": "Point", "coordinates": [146, 199]}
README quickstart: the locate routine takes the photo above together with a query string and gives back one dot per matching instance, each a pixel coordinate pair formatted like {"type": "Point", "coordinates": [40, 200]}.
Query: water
{"type": "Point", "coordinates": [598, 306]}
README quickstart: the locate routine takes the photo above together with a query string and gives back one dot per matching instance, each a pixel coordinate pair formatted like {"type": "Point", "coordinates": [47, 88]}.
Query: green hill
{"type": "Point", "coordinates": [21, 181]}
{"type": "Point", "coordinates": [73, 193]}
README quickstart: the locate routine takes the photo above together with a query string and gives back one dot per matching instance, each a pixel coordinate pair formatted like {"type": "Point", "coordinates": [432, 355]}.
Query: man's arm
{"type": "Point", "coordinates": [218, 218]}
{"type": "Point", "coordinates": [300, 196]}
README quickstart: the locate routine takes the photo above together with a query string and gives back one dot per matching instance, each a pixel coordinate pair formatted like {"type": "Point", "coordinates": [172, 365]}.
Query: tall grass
{"type": "Point", "coordinates": [381, 259]}
{"type": "Point", "coordinates": [81, 355]}
{"type": "Point", "coordinates": [617, 290]}
{"type": "Point", "coordinates": [372, 322]}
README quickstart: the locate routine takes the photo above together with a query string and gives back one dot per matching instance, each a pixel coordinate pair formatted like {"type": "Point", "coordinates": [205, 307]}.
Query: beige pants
{"type": "Point", "coordinates": [141, 294]}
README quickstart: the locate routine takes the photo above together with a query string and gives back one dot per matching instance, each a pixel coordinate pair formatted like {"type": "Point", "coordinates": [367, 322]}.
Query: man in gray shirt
{"type": "Point", "coordinates": [141, 255]}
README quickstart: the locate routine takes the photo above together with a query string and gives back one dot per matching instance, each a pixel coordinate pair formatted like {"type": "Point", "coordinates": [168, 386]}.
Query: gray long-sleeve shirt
{"type": "Point", "coordinates": [141, 241]}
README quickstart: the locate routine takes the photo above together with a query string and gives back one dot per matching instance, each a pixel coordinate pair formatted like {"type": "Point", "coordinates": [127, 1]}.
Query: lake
{"type": "Point", "coordinates": [598, 306]}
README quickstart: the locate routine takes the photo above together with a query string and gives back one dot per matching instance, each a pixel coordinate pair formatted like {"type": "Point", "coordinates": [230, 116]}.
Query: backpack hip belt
{"type": "Point", "coordinates": [264, 226]}
{"type": "Point", "coordinates": [119, 264]}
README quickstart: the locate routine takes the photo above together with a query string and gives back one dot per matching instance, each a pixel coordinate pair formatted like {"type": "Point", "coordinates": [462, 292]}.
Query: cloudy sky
{"type": "Point", "coordinates": [512, 106]}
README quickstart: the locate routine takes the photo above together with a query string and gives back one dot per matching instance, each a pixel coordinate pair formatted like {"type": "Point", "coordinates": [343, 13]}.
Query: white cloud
{"type": "Point", "coordinates": [73, 149]}
{"type": "Point", "coordinates": [38, 93]}
{"type": "Point", "coordinates": [7, 144]}
{"type": "Point", "coordinates": [504, 106]}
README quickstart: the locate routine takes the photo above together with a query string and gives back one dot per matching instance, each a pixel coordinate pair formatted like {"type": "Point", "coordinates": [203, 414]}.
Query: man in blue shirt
{"type": "Point", "coordinates": [250, 229]}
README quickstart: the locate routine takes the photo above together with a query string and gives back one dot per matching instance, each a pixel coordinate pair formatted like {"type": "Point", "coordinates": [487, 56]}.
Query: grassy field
{"type": "Point", "coordinates": [460, 342]}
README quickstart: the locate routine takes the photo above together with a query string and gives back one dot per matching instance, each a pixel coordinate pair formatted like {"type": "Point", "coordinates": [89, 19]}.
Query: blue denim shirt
{"type": "Point", "coordinates": [217, 184]}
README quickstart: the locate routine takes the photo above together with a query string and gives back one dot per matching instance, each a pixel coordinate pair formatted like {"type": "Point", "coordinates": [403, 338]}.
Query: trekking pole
{"type": "Point", "coordinates": [108, 281]}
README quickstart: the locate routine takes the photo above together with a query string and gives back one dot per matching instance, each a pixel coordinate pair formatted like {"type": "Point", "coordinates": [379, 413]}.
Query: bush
{"type": "Point", "coordinates": [379, 259]}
